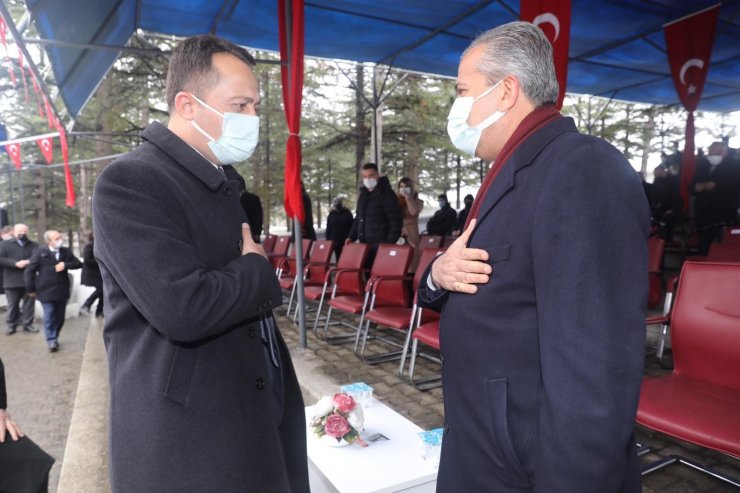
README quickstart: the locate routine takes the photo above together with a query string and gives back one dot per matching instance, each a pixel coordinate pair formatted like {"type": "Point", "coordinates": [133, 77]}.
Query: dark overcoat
{"type": "Point", "coordinates": [543, 365]}
{"type": "Point", "coordinates": [378, 215]}
{"type": "Point", "coordinates": [10, 253]}
{"type": "Point", "coordinates": [42, 278]}
{"type": "Point", "coordinates": [192, 403]}
{"type": "Point", "coordinates": [90, 268]}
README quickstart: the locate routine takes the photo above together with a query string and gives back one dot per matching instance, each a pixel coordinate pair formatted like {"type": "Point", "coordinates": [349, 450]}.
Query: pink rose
{"type": "Point", "coordinates": [344, 403]}
{"type": "Point", "coordinates": [336, 426]}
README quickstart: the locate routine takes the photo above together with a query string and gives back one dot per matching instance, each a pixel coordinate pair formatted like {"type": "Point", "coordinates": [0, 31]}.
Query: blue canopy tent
{"type": "Point", "coordinates": [617, 47]}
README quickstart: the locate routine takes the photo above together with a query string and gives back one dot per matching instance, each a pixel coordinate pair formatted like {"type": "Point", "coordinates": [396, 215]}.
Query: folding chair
{"type": "Point", "coordinates": [269, 243]}
{"type": "Point", "coordinates": [390, 261]}
{"type": "Point", "coordinates": [427, 333]}
{"type": "Point", "coordinates": [313, 271]}
{"type": "Point", "coordinates": [346, 279]}
{"type": "Point", "coordinates": [279, 251]}
{"type": "Point", "coordinates": [388, 309]}
{"type": "Point", "coordinates": [700, 401]}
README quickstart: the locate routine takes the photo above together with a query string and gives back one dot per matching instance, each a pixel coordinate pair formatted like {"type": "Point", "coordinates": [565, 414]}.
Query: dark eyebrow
{"type": "Point", "coordinates": [460, 85]}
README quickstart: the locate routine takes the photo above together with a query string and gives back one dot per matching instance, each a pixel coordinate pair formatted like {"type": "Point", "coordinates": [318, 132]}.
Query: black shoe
{"type": "Point", "coordinates": [10, 331]}
{"type": "Point", "coordinates": [85, 310]}
{"type": "Point", "coordinates": [53, 347]}
{"type": "Point", "coordinates": [30, 328]}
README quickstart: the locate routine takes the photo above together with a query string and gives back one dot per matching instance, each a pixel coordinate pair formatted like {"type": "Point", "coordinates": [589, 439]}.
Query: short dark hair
{"type": "Point", "coordinates": [442, 196]}
{"type": "Point", "coordinates": [370, 166]}
{"type": "Point", "coordinates": [191, 64]}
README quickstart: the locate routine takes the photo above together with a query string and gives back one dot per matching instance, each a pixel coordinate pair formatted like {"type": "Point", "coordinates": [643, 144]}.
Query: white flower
{"type": "Point", "coordinates": [323, 407]}
{"type": "Point", "coordinates": [356, 418]}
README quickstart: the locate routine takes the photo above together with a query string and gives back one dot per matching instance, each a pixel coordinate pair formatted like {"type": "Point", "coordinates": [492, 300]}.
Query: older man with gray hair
{"type": "Point", "coordinates": [14, 255]}
{"type": "Point", "coordinates": [544, 293]}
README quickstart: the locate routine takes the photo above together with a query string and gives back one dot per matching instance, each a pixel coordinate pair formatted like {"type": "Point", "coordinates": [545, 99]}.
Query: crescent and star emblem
{"type": "Point", "coordinates": [691, 62]}
{"type": "Point", "coordinates": [548, 18]}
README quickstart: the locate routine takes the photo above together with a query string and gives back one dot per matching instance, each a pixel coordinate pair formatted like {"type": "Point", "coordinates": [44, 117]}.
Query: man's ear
{"type": "Point", "coordinates": [509, 94]}
{"type": "Point", "coordinates": [185, 105]}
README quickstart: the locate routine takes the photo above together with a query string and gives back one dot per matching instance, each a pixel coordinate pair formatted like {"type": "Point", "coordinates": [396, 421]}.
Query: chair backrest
{"type": "Point", "coordinates": [269, 243]}
{"type": "Point", "coordinates": [724, 252]}
{"type": "Point", "coordinates": [731, 235]}
{"type": "Point", "coordinates": [447, 241]}
{"type": "Point", "coordinates": [392, 260]}
{"type": "Point", "coordinates": [320, 252]}
{"type": "Point", "coordinates": [656, 246]}
{"type": "Point", "coordinates": [430, 241]}
{"type": "Point", "coordinates": [353, 257]}
{"type": "Point", "coordinates": [426, 257]}
{"type": "Point", "coordinates": [282, 243]}
{"type": "Point", "coordinates": [705, 325]}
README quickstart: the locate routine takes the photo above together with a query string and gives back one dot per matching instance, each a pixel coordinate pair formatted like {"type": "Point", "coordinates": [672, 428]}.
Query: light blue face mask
{"type": "Point", "coordinates": [462, 135]}
{"type": "Point", "coordinates": [239, 136]}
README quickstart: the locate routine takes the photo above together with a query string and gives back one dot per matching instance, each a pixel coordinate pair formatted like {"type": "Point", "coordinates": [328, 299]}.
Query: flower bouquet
{"type": "Point", "coordinates": [338, 420]}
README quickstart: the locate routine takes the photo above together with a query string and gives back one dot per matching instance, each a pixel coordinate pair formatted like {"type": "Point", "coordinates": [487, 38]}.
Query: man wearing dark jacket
{"type": "Point", "coordinates": [47, 280]}
{"type": "Point", "coordinates": [203, 392]}
{"type": "Point", "coordinates": [443, 221]}
{"type": "Point", "coordinates": [91, 277]}
{"type": "Point", "coordinates": [378, 215]}
{"type": "Point", "coordinates": [338, 223]}
{"type": "Point", "coordinates": [14, 255]}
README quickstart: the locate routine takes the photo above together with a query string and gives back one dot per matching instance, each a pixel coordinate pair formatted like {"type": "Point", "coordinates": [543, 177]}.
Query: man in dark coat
{"type": "Point", "coordinates": [378, 215]}
{"type": "Point", "coordinates": [717, 189]}
{"type": "Point", "coordinates": [91, 277]}
{"type": "Point", "coordinates": [543, 295]}
{"type": "Point", "coordinates": [443, 220]}
{"type": "Point", "coordinates": [338, 223]}
{"type": "Point", "coordinates": [14, 255]}
{"type": "Point", "coordinates": [462, 216]}
{"type": "Point", "coordinates": [250, 202]}
{"type": "Point", "coordinates": [47, 280]}
{"type": "Point", "coordinates": [203, 392]}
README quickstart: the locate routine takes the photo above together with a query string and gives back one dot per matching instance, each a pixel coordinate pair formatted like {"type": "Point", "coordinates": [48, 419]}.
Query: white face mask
{"type": "Point", "coordinates": [714, 160]}
{"type": "Point", "coordinates": [462, 135]}
{"type": "Point", "coordinates": [58, 244]}
{"type": "Point", "coordinates": [405, 191]}
{"type": "Point", "coordinates": [370, 183]}
{"type": "Point", "coordinates": [239, 135]}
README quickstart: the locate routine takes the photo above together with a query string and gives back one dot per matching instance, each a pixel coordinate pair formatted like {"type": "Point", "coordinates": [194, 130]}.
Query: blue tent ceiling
{"type": "Point", "coordinates": [617, 48]}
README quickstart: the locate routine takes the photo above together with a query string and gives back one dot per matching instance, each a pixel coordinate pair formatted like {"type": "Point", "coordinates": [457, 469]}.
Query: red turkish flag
{"type": "Point", "coordinates": [3, 30]}
{"type": "Point", "coordinates": [70, 200]}
{"type": "Point", "coordinates": [47, 149]}
{"type": "Point", "coordinates": [14, 151]}
{"type": "Point", "coordinates": [689, 44]}
{"type": "Point", "coordinates": [554, 20]}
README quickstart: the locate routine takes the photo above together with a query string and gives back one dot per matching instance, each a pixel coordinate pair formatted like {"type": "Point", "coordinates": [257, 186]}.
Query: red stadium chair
{"type": "Point", "coordinates": [448, 240]}
{"type": "Point", "coordinates": [279, 251]}
{"type": "Point", "coordinates": [731, 235]}
{"type": "Point", "coordinates": [269, 243]}
{"type": "Point", "coordinates": [391, 308]}
{"type": "Point", "coordinates": [700, 401]}
{"type": "Point", "coordinates": [724, 252]}
{"type": "Point", "coordinates": [430, 241]}
{"type": "Point", "coordinates": [314, 270]}
{"type": "Point", "coordinates": [428, 334]}
{"type": "Point", "coordinates": [656, 246]}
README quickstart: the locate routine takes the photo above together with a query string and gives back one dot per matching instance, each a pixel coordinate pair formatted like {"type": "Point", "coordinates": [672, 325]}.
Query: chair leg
{"type": "Point", "coordinates": [661, 342]}
{"type": "Point", "coordinates": [318, 311]}
{"type": "Point", "coordinates": [326, 325]}
{"type": "Point", "coordinates": [413, 324]}
{"type": "Point", "coordinates": [677, 459]}
{"type": "Point", "coordinates": [290, 301]}
{"type": "Point", "coordinates": [412, 362]}
{"type": "Point", "coordinates": [365, 332]}
{"type": "Point", "coordinates": [362, 319]}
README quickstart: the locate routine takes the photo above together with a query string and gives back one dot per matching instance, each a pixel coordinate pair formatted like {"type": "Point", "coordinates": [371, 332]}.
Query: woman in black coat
{"type": "Point", "coordinates": [91, 277]}
{"type": "Point", "coordinates": [24, 467]}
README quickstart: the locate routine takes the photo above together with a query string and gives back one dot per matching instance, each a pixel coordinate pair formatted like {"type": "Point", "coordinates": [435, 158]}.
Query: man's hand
{"type": "Point", "coordinates": [21, 264]}
{"type": "Point", "coordinates": [248, 243]}
{"type": "Point", "coordinates": [7, 424]}
{"type": "Point", "coordinates": [59, 267]}
{"type": "Point", "coordinates": [460, 268]}
{"type": "Point", "coordinates": [709, 185]}
{"type": "Point", "coordinates": [347, 241]}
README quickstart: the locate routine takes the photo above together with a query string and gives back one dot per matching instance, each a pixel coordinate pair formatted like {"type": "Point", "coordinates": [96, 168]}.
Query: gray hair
{"type": "Point", "coordinates": [48, 233]}
{"type": "Point", "coordinates": [522, 50]}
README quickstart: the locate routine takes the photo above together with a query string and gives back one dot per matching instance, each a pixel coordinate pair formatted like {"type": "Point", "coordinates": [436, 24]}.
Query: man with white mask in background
{"type": "Point", "coordinates": [203, 392]}
{"type": "Point", "coordinates": [543, 295]}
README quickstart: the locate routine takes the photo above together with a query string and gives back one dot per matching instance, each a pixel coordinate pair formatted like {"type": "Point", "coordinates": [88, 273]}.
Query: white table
{"type": "Point", "coordinates": [384, 466]}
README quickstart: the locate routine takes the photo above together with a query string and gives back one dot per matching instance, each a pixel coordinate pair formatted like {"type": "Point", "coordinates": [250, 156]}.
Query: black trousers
{"type": "Point", "coordinates": [97, 295]}
{"type": "Point", "coordinates": [17, 314]}
{"type": "Point", "coordinates": [24, 467]}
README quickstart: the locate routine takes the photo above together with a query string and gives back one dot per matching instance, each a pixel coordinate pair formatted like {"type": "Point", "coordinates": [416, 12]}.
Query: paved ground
{"type": "Point", "coordinates": [42, 389]}
{"type": "Point", "coordinates": [42, 386]}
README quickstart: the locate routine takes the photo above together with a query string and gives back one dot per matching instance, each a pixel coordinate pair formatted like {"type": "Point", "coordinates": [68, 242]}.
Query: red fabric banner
{"type": "Point", "coordinates": [14, 151]}
{"type": "Point", "coordinates": [3, 31]}
{"type": "Point", "coordinates": [689, 44]}
{"type": "Point", "coordinates": [292, 82]}
{"type": "Point", "coordinates": [553, 17]}
{"type": "Point", "coordinates": [70, 199]}
{"type": "Point", "coordinates": [47, 149]}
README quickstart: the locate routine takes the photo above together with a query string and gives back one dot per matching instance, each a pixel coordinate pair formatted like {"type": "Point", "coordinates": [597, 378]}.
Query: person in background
{"type": "Point", "coordinates": [308, 231]}
{"type": "Point", "coordinates": [14, 257]}
{"type": "Point", "coordinates": [24, 467]}
{"type": "Point", "coordinates": [443, 220]}
{"type": "Point", "coordinates": [377, 216]}
{"type": "Point", "coordinates": [462, 216]}
{"type": "Point", "coordinates": [338, 224]}
{"type": "Point", "coordinates": [91, 277]}
{"type": "Point", "coordinates": [6, 233]}
{"type": "Point", "coordinates": [411, 206]}
{"type": "Point", "coordinates": [249, 201]}
{"type": "Point", "coordinates": [47, 280]}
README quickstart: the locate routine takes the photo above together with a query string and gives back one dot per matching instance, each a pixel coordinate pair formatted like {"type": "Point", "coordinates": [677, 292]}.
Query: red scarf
{"type": "Point", "coordinates": [528, 126]}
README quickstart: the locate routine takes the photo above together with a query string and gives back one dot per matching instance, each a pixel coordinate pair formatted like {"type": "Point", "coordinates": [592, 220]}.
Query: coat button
{"type": "Point", "coordinates": [446, 428]}
{"type": "Point", "coordinates": [252, 332]}
{"type": "Point", "coordinates": [227, 191]}
{"type": "Point", "coordinates": [259, 383]}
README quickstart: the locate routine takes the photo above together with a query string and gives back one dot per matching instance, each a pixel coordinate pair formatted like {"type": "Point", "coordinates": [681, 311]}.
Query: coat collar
{"type": "Point", "coordinates": [184, 155]}
{"type": "Point", "coordinates": [521, 158]}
